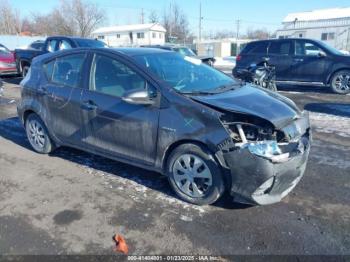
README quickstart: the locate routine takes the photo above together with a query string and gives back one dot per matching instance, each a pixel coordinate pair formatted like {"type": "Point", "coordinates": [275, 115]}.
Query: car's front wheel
{"type": "Point", "coordinates": [340, 82]}
{"type": "Point", "coordinates": [194, 175]}
{"type": "Point", "coordinates": [38, 135]}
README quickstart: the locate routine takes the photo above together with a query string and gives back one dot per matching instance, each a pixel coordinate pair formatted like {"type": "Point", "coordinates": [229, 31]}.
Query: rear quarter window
{"type": "Point", "coordinates": [256, 48]}
{"type": "Point", "coordinates": [65, 71]}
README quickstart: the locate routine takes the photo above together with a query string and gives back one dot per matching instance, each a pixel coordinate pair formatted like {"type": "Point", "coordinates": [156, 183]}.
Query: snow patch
{"type": "Point", "coordinates": [330, 124]}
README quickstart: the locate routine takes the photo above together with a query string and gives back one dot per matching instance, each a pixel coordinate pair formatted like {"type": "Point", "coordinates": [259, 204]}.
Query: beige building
{"type": "Point", "coordinates": [221, 47]}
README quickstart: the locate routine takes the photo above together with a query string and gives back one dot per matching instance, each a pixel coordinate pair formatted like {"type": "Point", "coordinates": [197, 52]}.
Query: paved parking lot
{"type": "Point", "coordinates": [71, 202]}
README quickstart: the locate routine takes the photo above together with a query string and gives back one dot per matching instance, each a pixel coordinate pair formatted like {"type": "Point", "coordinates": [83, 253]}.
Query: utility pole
{"type": "Point", "coordinates": [142, 16]}
{"type": "Point", "coordinates": [200, 23]}
{"type": "Point", "coordinates": [238, 23]}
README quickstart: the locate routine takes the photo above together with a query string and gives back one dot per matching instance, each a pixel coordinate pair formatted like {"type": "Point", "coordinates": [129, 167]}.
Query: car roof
{"type": "Point", "coordinates": [133, 51]}
{"type": "Point", "coordinates": [281, 39]}
{"type": "Point", "coordinates": [71, 37]}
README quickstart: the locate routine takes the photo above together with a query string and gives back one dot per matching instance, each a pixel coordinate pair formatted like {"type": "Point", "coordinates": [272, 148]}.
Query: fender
{"type": "Point", "coordinates": [36, 107]}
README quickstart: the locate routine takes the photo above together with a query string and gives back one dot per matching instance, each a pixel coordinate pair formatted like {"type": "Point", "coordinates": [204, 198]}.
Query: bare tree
{"type": "Point", "coordinates": [175, 22]}
{"type": "Point", "coordinates": [153, 17]}
{"type": "Point", "coordinates": [81, 16]}
{"type": "Point", "coordinates": [258, 34]}
{"type": "Point", "coordinates": [10, 19]}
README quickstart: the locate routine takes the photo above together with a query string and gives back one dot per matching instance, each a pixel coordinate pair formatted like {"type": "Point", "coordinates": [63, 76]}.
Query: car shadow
{"type": "Point", "coordinates": [11, 79]}
{"type": "Point", "coordinates": [11, 129]}
{"type": "Point", "coordinates": [336, 109]}
{"type": "Point", "coordinates": [305, 89]}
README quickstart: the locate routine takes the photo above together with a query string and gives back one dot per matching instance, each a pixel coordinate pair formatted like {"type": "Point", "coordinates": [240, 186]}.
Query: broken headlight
{"type": "Point", "coordinates": [260, 138]}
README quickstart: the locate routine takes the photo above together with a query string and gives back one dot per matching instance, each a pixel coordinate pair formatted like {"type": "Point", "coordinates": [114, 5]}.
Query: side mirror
{"type": "Point", "coordinates": [139, 98]}
{"type": "Point", "coordinates": [322, 54]}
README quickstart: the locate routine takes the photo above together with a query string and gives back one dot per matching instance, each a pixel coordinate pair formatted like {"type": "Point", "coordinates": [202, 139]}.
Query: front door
{"type": "Point", "coordinates": [115, 126]}
{"type": "Point", "coordinates": [308, 64]}
{"type": "Point", "coordinates": [63, 93]}
{"type": "Point", "coordinates": [280, 56]}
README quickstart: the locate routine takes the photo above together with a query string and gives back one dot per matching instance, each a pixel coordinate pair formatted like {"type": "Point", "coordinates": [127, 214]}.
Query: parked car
{"type": "Point", "coordinates": [168, 113]}
{"type": "Point", "coordinates": [185, 51]}
{"type": "Point", "coordinates": [37, 45]}
{"type": "Point", "coordinates": [299, 62]}
{"type": "Point", "coordinates": [7, 61]}
{"type": "Point", "coordinates": [52, 44]}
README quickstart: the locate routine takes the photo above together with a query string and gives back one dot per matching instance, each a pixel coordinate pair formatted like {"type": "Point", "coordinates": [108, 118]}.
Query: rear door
{"type": "Point", "coordinates": [114, 126]}
{"type": "Point", "coordinates": [63, 93]}
{"type": "Point", "coordinates": [280, 55]}
{"type": "Point", "coordinates": [308, 64]}
{"type": "Point", "coordinates": [253, 53]}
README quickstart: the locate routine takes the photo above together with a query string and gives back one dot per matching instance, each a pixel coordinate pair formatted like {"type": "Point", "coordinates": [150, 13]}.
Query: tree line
{"type": "Point", "coordinates": [82, 17]}
{"type": "Point", "coordinates": [70, 17]}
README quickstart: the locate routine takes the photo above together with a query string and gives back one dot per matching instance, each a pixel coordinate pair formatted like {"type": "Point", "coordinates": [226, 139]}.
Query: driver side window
{"type": "Point", "coordinates": [110, 77]}
{"type": "Point", "coordinates": [304, 48]}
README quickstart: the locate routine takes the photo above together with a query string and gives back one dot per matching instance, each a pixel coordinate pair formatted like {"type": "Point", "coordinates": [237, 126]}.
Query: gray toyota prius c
{"type": "Point", "coordinates": [172, 114]}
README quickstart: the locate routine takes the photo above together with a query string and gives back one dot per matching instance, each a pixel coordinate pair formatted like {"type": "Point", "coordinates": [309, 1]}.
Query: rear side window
{"type": "Point", "coordinates": [280, 48]}
{"type": "Point", "coordinates": [256, 48]}
{"type": "Point", "coordinates": [65, 71]}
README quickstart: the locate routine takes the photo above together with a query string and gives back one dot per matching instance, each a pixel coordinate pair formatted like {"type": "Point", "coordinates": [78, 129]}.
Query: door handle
{"type": "Point", "coordinates": [89, 105]}
{"type": "Point", "coordinates": [298, 60]}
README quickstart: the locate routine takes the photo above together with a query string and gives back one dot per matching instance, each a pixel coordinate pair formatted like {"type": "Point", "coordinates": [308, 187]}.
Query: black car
{"type": "Point", "coordinates": [52, 44]}
{"type": "Point", "coordinates": [299, 61]}
{"type": "Point", "coordinates": [37, 45]}
{"type": "Point", "coordinates": [168, 113]}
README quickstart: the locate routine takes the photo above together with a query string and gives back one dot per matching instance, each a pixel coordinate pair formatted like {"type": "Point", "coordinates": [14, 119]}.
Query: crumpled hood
{"type": "Point", "coordinates": [265, 104]}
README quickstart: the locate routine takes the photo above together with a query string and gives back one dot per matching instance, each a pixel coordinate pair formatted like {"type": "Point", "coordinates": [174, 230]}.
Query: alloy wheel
{"type": "Point", "coordinates": [342, 82]}
{"type": "Point", "coordinates": [36, 134]}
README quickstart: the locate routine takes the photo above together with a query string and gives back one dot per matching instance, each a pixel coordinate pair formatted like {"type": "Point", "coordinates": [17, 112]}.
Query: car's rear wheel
{"type": "Point", "coordinates": [25, 70]}
{"type": "Point", "coordinates": [340, 82]}
{"type": "Point", "coordinates": [38, 135]}
{"type": "Point", "coordinates": [194, 175]}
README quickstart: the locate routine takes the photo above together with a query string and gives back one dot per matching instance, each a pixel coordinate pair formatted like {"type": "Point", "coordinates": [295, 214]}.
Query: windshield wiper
{"type": "Point", "coordinates": [224, 88]}
{"type": "Point", "coordinates": [198, 93]}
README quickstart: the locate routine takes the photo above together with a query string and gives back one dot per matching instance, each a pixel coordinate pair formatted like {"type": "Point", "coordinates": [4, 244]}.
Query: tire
{"type": "Point", "coordinates": [38, 135]}
{"type": "Point", "coordinates": [340, 82]}
{"type": "Point", "coordinates": [187, 184]}
{"type": "Point", "coordinates": [24, 71]}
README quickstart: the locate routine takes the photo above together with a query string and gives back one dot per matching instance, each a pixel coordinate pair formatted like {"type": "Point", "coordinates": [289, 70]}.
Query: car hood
{"type": "Point", "coordinates": [7, 57]}
{"type": "Point", "coordinates": [275, 108]}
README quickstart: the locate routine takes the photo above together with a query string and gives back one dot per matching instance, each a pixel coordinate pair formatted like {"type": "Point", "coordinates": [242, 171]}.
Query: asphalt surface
{"type": "Point", "coordinates": [71, 202]}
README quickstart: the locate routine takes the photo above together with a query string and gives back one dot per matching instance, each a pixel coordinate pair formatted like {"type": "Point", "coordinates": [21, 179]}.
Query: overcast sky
{"type": "Point", "coordinates": [217, 14]}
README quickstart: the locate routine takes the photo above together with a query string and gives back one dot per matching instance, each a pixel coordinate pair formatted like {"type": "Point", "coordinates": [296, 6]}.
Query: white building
{"type": "Point", "coordinates": [329, 25]}
{"type": "Point", "coordinates": [131, 35]}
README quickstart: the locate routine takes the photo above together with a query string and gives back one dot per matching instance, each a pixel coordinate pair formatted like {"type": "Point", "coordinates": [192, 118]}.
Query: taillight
{"type": "Point", "coordinates": [238, 58]}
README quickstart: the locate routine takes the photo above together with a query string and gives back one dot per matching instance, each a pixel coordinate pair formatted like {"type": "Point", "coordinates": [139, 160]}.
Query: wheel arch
{"type": "Point", "coordinates": [178, 143]}
{"type": "Point", "coordinates": [336, 71]}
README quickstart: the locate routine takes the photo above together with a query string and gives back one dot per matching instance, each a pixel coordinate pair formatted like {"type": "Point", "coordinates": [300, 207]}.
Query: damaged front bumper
{"type": "Point", "coordinates": [263, 174]}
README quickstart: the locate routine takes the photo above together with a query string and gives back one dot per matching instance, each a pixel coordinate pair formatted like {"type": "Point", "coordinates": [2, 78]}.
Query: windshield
{"type": "Point", "coordinates": [186, 74]}
{"type": "Point", "coordinates": [90, 43]}
{"type": "Point", "coordinates": [4, 50]}
{"type": "Point", "coordinates": [184, 51]}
